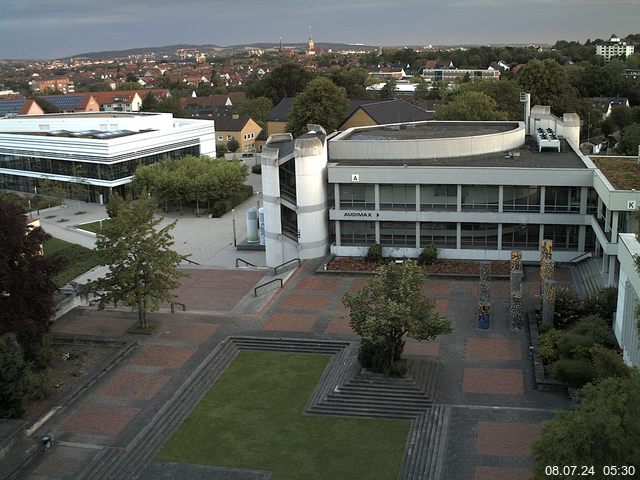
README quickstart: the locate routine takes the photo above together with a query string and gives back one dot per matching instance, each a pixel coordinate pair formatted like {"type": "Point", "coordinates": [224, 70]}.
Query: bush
{"type": "Point", "coordinates": [572, 345]}
{"type": "Point", "coordinates": [377, 358]}
{"type": "Point", "coordinates": [576, 372]}
{"type": "Point", "coordinates": [569, 307]}
{"type": "Point", "coordinates": [607, 363]}
{"type": "Point", "coordinates": [374, 254]}
{"type": "Point", "coordinates": [428, 255]}
{"type": "Point", "coordinates": [220, 207]}
{"type": "Point", "coordinates": [257, 169]}
{"type": "Point", "coordinates": [604, 303]}
{"type": "Point", "coordinates": [595, 328]}
{"type": "Point", "coordinates": [548, 345]}
{"type": "Point", "coordinates": [42, 354]}
{"type": "Point", "coordinates": [12, 373]}
{"type": "Point", "coordinates": [38, 385]}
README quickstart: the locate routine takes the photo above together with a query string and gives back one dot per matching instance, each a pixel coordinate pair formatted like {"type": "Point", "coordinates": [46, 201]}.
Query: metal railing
{"type": "Point", "coordinates": [190, 261]}
{"type": "Point", "coordinates": [245, 262]}
{"type": "Point", "coordinates": [275, 269]}
{"type": "Point", "coordinates": [173, 307]}
{"type": "Point", "coordinates": [255, 290]}
{"type": "Point", "coordinates": [581, 257]}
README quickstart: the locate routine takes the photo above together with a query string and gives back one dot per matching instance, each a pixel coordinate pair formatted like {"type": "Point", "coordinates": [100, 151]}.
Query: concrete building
{"type": "Point", "coordinates": [614, 47]}
{"type": "Point", "coordinates": [19, 106]}
{"type": "Point", "coordinates": [243, 129]}
{"type": "Point", "coordinates": [625, 325]}
{"type": "Point", "coordinates": [452, 74]}
{"type": "Point", "coordinates": [105, 147]}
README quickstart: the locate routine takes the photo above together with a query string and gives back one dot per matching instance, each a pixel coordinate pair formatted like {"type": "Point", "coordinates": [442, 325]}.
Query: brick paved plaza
{"type": "Point", "coordinates": [486, 376]}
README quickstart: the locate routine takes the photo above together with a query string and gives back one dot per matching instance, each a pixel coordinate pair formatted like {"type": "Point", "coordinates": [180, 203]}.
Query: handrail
{"type": "Point", "coordinates": [190, 261]}
{"type": "Point", "coordinates": [275, 269]}
{"type": "Point", "coordinates": [245, 262]}
{"type": "Point", "coordinates": [579, 257]}
{"type": "Point", "coordinates": [173, 309]}
{"type": "Point", "coordinates": [255, 290]}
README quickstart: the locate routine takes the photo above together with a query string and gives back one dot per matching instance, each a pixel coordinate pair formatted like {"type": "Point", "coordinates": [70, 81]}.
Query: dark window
{"type": "Point", "coordinates": [438, 197]}
{"type": "Point", "coordinates": [361, 197]}
{"type": "Point", "coordinates": [440, 234]}
{"type": "Point", "coordinates": [521, 199]}
{"type": "Point", "coordinates": [480, 197]}
{"type": "Point", "coordinates": [562, 200]}
{"type": "Point", "coordinates": [479, 235]}
{"type": "Point", "coordinates": [398, 234]}
{"type": "Point", "coordinates": [397, 197]}
{"type": "Point", "coordinates": [564, 237]}
{"type": "Point", "coordinates": [520, 236]}
{"type": "Point", "coordinates": [289, 220]}
{"type": "Point", "coordinates": [357, 233]}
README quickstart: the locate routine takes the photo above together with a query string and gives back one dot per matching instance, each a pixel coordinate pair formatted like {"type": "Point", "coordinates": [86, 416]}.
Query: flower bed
{"type": "Point", "coordinates": [445, 267]}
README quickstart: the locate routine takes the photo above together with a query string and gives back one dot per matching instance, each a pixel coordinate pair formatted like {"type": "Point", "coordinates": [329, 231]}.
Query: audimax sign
{"type": "Point", "coordinates": [361, 214]}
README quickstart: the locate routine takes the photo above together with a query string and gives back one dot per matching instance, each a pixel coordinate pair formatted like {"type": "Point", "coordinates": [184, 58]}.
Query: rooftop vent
{"type": "Point", "coordinates": [547, 138]}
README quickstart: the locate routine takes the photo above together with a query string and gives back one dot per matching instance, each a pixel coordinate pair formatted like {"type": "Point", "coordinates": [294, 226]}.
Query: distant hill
{"type": "Point", "coordinates": [171, 49]}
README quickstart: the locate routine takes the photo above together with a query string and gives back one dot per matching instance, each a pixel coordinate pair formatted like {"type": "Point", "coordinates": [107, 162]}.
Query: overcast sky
{"type": "Point", "coordinates": [57, 28]}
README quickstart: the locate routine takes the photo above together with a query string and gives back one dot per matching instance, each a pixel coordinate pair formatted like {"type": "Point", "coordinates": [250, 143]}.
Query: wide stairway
{"type": "Point", "coordinates": [589, 276]}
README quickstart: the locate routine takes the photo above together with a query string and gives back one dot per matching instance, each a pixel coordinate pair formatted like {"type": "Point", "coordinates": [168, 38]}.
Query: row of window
{"type": "Point", "coordinates": [99, 171]}
{"type": "Point", "coordinates": [474, 197]}
{"type": "Point", "coordinates": [472, 235]}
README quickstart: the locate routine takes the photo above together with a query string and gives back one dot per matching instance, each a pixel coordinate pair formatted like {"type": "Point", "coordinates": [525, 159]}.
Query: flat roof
{"type": "Point", "coordinates": [86, 115]}
{"type": "Point", "coordinates": [529, 157]}
{"type": "Point", "coordinates": [430, 130]}
{"type": "Point", "coordinates": [622, 172]}
{"type": "Point", "coordinates": [94, 134]}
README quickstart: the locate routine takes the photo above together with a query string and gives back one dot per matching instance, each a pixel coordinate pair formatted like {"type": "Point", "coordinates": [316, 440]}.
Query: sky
{"type": "Point", "coordinates": [45, 29]}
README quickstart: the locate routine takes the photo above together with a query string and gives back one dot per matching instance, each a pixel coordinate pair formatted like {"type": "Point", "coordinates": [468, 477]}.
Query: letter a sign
{"type": "Point", "coordinates": [355, 177]}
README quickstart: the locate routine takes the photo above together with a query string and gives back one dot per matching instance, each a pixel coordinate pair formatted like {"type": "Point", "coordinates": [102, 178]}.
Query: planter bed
{"type": "Point", "coordinates": [440, 267]}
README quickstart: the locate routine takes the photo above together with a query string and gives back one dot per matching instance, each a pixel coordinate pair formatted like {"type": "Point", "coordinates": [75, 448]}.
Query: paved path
{"type": "Point", "coordinates": [487, 377]}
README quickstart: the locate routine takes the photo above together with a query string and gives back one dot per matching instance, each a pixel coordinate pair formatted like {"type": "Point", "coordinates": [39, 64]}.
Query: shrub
{"type": "Point", "coordinates": [220, 207]}
{"type": "Point", "coordinates": [576, 372]}
{"type": "Point", "coordinates": [428, 255]}
{"type": "Point", "coordinates": [257, 169]}
{"type": "Point", "coordinates": [548, 345]}
{"type": "Point", "coordinates": [38, 385]}
{"type": "Point", "coordinates": [568, 308]}
{"type": "Point", "coordinates": [595, 328]}
{"type": "Point", "coordinates": [12, 373]}
{"type": "Point", "coordinates": [604, 303]}
{"type": "Point", "coordinates": [607, 363]}
{"type": "Point", "coordinates": [377, 358]}
{"type": "Point", "coordinates": [572, 345]}
{"type": "Point", "coordinates": [42, 353]}
{"type": "Point", "coordinates": [374, 254]}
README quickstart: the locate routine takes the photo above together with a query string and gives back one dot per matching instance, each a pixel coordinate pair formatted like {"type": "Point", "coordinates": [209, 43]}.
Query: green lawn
{"type": "Point", "coordinates": [78, 259]}
{"type": "Point", "coordinates": [93, 226]}
{"type": "Point", "coordinates": [253, 418]}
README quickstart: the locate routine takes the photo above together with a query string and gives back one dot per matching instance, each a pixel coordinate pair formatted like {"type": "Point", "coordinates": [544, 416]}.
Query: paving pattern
{"type": "Point", "coordinates": [485, 412]}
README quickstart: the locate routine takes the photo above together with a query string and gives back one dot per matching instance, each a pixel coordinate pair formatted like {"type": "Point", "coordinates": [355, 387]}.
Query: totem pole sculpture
{"type": "Point", "coordinates": [547, 269]}
{"type": "Point", "coordinates": [515, 292]}
{"type": "Point", "coordinates": [484, 297]}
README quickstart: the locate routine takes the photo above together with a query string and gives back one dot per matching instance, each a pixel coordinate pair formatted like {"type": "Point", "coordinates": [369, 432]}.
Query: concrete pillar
{"type": "Point", "coordinates": [543, 192]}
{"type": "Point", "coordinates": [336, 195]}
{"type": "Point", "coordinates": [417, 198]}
{"type": "Point", "coordinates": [584, 193]}
{"type": "Point", "coordinates": [607, 221]}
{"type": "Point", "coordinates": [271, 203]}
{"type": "Point", "coordinates": [605, 260]}
{"type": "Point", "coordinates": [582, 236]}
{"type": "Point", "coordinates": [459, 199]}
{"type": "Point", "coordinates": [417, 234]}
{"type": "Point", "coordinates": [611, 277]}
{"type": "Point", "coordinates": [599, 211]}
{"type": "Point", "coordinates": [377, 232]}
{"type": "Point", "coordinates": [499, 236]}
{"type": "Point", "coordinates": [338, 235]}
{"type": "Point", "coordinates": [458, 235]}
{"type": "Point", "coordinates": [614, 226]}
{"type": "Point", "coordinates": [376, 193]}
{"type": "Point", "coordinates": [500, 202]}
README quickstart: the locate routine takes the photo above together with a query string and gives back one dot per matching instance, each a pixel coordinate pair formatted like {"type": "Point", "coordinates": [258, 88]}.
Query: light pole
{"type": "Point", "coordinates": [258, 200]}
{"type": "Point", "coordinates": [233, 213]}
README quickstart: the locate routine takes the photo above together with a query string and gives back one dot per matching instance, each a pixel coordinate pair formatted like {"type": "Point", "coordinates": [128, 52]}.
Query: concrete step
{"type": "Point", "coordinates": [357, 391]}
{"type": "Point", "coordinates": [340, 411]}
{"type": "Point", "coordinates": [383, 403]}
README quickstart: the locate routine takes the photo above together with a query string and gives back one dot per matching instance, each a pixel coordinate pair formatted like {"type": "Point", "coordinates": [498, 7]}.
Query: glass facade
{"type": "Point", "coordinates": [562, 200]}
{"type": "Point", "coordinates": [479, 235]}
{"type": "Point", "coordinates": [520, 236]}
{"type": "Point", "coordinates": [564, 237]}
{"type": "Point", "coordinates": [357, 233]}
{"type": "Point", "coordinates": [397, 197]}
{"type": "Point", "coordinates": [480, 197]}
{"type": "Point", "coordinates": [289, 222]}
{"type": "Point", "coordinates": [357, 197]}
{"type": "Point", "coordinates": [440, 234]}
{"type": "Point", "coordinates": [398, 234]}
{"type": "Point", "coordinates": [521, 199]}
{"type": "Point", "coordinates": [438, 197]}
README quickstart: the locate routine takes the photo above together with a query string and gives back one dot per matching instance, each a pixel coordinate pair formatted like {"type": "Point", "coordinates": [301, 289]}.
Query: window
{"type": "Point", "coordinates": [564, 237]}
{"type": "Point", "coordinates": [521, 199]}
{"type": "Point", "coordinates": [398, 234]}
{"type": "Point", "coordinates": [438, 197]}
{"type": "Point", "coordinates": [357, 233]}
{"type": "Point", "coordinates": [562, 200]}
{"type": "Point", "coordinates": [592, 201]}
{"type": "Point", "coordinates": [220, 138]}
{"type": "Point", "coordinates": [479, 235]}
{"type": "Point", "coordinates": [480, 197]}
{"type": "Point", "coordinates": [520, 236]}
{"type": "Point", "coordinates": [397, 197]}
{"type": "Point", "coordinates": [229, 138]}
{"type": "Point", "coordinates": [440, 234]}
{"type": "Point", "coordinates": [360, 196]}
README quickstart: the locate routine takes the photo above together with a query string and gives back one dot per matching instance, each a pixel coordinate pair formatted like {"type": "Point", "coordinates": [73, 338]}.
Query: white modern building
{"type": "Point", "coordinates": [614, 47]}
{"type": "Point", "coordinates": [100, 150]}
{"type": "Point", "coordinates": [625, 325]}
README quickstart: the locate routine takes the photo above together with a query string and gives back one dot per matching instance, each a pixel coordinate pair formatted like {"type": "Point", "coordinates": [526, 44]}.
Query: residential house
{"type": "Point", "coordinates": [607, 104]}
{"type": "Point", "coordinates": [77, 102]}
{"type": "Point", "coordinates": [63, 84]}
{"type": "Point", "coordinates": [243, 129]}
{"type": "Point", "coordinates": [19, 106]}
{"type": "Point", "coordinates": [614, 47]}
{"type": "Point", "coordinates": [382, 112]}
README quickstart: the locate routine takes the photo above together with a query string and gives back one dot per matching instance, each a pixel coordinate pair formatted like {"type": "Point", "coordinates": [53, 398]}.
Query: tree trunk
{"type": "Point", "coordinates": [197, 208]}
{"type": "Point", "coordinates": [141, 317]}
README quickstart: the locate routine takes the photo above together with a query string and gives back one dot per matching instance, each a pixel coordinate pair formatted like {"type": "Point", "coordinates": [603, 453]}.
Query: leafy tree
{"type": "Point", "coordinates": [26, 285]}
{"type": "Point", "coordinates": [621, 116]}
{"type": "Point", "coordinates": [470, 106]}
{"type": "Point", "coordinates": [388, 91]}
{"type": "Point", "coordinates": [256, 108]}
{"type": "Point", "coordinates": [285, 81]}
{"type": "Point", "coordinates": [149, 103]}
{"type": "Point", "coordinates": [630, 140]}
{"type": "Point", "coordinates": [353, 80]}
{"type": "Point", "coordinates": [390, 306]}
{"type": "Point", "coordinates": [603, 430]}
{"type": "Point", "coordinates": [233, 145]}
{"type": "Point", "coordinates": [143, 269]}
{"type": "Point", "coordinates": [506, 94]}
{"type": "Point", "coordinates": [13, 369]}
{"type": "Point", "coordinates": [322, 103]}
{"type": "Point", "coordinates": [548, 83]}
{"type": "Point", "coordinates": [422, 90]}
{"type": "Point", "coordinates": [130, 86]}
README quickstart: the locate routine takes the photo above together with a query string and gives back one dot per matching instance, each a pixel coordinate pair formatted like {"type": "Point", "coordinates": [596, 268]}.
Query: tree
{"type": "Point", "coordinates": [12, 377]}
{"type": "Point", "coordinates": [233, 145]}
{"type": "Point", "coordinates": [322, 103]}
{"type": "Point", "coordinates": [603, 430]}
{"type": "Point", "coordinates": [470, 106]}
{"type": "Point", "coordinates": [353, 80]}
{"type": "Point", "coordinates": [26, 285]}
{"type": "Point", "coordinates": [422, 90]}
{"type": "Point", "coordinates": [548, 84]}
{"type": "Point", "coordinates": [143, 269]}
{"type": "Point", "coordinates": [506, 94]}
{"type": "Point", "coordinates": [390, 306]}
{"type": "Point", "coordinates": [630, 140]}
{"type": "Point", "coordinates": [149, 103]}
{"type": "Point", "coordinates": [388, 91]}
{"type": "Point", "coordinates": [256, 108]}
{"type": "Point", "coordinates": [285, 81]}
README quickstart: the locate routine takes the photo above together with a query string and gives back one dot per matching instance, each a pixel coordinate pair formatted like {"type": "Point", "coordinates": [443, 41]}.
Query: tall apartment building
{"type": "Point", "coordinates": [614, 47]}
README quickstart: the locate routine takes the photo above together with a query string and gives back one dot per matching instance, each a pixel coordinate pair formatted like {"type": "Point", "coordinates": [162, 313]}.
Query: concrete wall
{"type": "Point", "coordinates": [274, 242]}
{"type": "Point", "coordinates": [625, 324]}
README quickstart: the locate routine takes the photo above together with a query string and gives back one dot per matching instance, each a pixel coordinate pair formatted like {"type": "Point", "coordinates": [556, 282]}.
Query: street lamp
{"type": "Point", "coordinates": [233, 213]}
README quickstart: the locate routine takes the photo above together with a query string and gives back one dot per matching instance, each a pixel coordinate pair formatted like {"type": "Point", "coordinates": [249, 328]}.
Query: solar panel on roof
{"type": "Point", "coordinates": [65, 102]}
{"type": "Point", "coordinates": [11, 106]}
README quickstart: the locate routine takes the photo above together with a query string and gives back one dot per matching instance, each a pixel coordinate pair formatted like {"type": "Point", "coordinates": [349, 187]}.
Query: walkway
{"type": "Point", "coordinates": [487, 380]}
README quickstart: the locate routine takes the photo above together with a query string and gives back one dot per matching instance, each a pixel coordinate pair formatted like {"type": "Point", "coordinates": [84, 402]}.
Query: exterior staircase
{"type": "Point", "coordinates": [588, 276]}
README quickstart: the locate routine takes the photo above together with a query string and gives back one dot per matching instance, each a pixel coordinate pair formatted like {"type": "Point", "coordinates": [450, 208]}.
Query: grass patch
{"type": "Point", "coordinates": [78, 259]}
{"type": "Point", "coordinates": [253, 418]}
{"type": "Point", "coordinates": [93, 226]}
{"type": "Point", "coordinates": [623, 173]}
{"type": "Point", "coordinates": [148, 330]}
